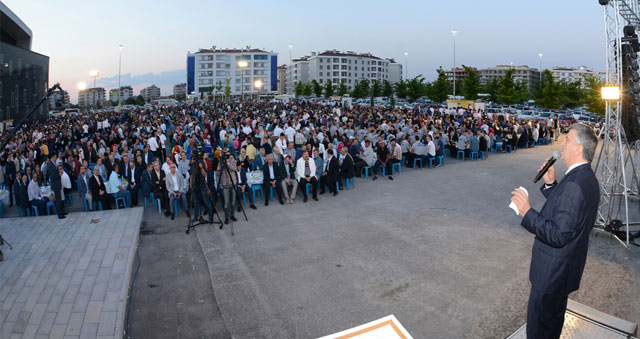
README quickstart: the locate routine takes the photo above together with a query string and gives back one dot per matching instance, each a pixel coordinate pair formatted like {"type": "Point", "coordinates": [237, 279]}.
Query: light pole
{"type": "Point", "coordinates": [454, 32]}
{"type": "Point", "coordinates": [258, 86]}
{"type": "Point", "coordinates": [290, 53]}
{"type": "Point", "coordinates": [289, 70]}
{"type": "Point", "coordinates": [540, 69]}
{"type": "Point", "coordinates": [242, 64]}
{"type": "Point", "coordinates": [406, 66]}
{"type": "Point", "coordinates": [94, 75]}
{"type": "Point", "coordinates": [120, 76]}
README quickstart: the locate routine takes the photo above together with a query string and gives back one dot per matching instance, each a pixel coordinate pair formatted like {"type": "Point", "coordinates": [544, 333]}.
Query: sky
{"type": "Point", "coordinates": [81, 36]}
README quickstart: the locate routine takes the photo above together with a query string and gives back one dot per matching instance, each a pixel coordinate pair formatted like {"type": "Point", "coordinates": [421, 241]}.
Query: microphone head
{"type": "Point", "coordinates": [556, 155]}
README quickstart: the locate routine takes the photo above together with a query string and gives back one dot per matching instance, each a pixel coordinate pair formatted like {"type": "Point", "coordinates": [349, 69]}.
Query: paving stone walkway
{"type": "Point", "coordinates": [67, 278]}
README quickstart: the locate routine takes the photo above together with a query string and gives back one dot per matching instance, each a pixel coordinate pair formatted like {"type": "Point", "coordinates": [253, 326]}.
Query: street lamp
{"type": "Point", "coordinates": [258, 86]}
{"type": "Point", "coordinates": [290, 51]}
{"type": "Point", "coordinates": [540, 56]}
{"type": "Point", "coordinates": [454, 32]}
{"type": "Point", "coordinates": [95, 75]}
{"type": "Point", "coordinates": [119, 76]}
{"type": "Point", "coordinates": [242, 64]}
{"type": "Point", "coordinates": [406, 66]}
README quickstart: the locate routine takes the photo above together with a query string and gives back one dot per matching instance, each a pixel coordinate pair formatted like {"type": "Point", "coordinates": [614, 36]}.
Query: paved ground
{"type": "Point", "coordinates": [67, 278]}
{"type": "Point", "coordinates": [438, 248]}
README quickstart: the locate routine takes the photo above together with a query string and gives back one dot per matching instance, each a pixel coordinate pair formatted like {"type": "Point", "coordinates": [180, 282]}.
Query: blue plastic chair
{"type": "Point", "coordinates": [397, 164]}
{"type": "Point", "coordinates": [415, 160]}
{"type": "Point", "coordinates": [51, 204]}
{"type": "Point", "coordinates": [176, 204]}
{"type": "Point", "coordinates": [365, 171]}
{"type": "Point", "coordinates": [447, 152]}
{"type": "Point", "coordinates": [124, 203]}
{"type": "Point", "coordinates": [474, 155]}
{"type": "Point", "coordinates": [440, 159]}
{"type": "Point", "coordinates": [484, 155]}
{"type": "Point", "coordinates": [257, 188]}
{"type": "Point", "coordinates": [459, 154]}
{"type": "Point", "coordinates": [383, 170]}
{"type": "Point", "coordinates": [348, 181]}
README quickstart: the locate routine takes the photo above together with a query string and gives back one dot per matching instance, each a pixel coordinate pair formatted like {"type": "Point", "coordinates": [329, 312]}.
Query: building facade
{"type": "Point", "coordinates": [572, 74]}
{"type": "Point", "coordinates": [522, 74]}
{"type": "Point", "coordinates": [180, 90]}
{"type": "Point", "coordinates": [125, 91]}
{"type": "Point", "coordinates": [243, 68]}
{"type": "Point", "coordinates": [282, 79]}
{"type": "Point", "coordinates": [24, 79]}
{"type": "Point", "coordinates": [150, 93]}
{"type": "Point", "coordinates": [460, 75]}
{"type": "Point", "coordinates": [91, 97]}
{"type": "Point", "coordinates": [341, 67]}
{"type": "Point", "coordinates": [59, 100]}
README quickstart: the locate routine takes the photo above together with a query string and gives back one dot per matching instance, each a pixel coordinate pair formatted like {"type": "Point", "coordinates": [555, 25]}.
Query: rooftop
{"type": "Point", "coordinates": [252, 50]}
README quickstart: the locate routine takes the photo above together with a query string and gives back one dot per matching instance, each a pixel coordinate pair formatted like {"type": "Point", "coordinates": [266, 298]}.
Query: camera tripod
{"type": "Point", "coordinates": [223, 168]}
{"type": "Point", "coordinates": [200, 220]}
{"type": "Point", "coordinates": [2, 241]}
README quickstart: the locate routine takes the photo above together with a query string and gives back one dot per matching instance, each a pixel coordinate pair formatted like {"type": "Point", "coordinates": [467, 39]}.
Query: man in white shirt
{"type": "Point", "coordinates": [115, 188]}
{"type": "Point", "coordinates": [175, 187]}
{"type": "Point", "coordinates": [281, 143]}
{"type": "Point", "coordinates": [35, 196]}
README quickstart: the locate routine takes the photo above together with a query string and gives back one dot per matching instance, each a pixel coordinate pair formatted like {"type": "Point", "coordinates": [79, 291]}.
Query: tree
{"type": "Point", "coordinates": [549, 92]}
{"type": "Point", "coordinates": [571, 94]}
{"type": "Point", "coordinates": [510, 92]}
{"type": "Point", "coordinates": [415, 88]}
{"type": "Point", "coordinates": [227, 88]}
{"type": "Point", "coordinates": [361, 89]}
{"type": "Point", "coordinates": [387, 89]}
{"type": "Point", "coordinates": [218, 88]}
{"type": "Point", "coordinates": [400, 88]}
{"type": "Point", "coordinates": [328, 89]}
{"type": "Point", "coordinates": [343, 89]}
{"type": "Point", "coordinates": [307, 89]}
{"type": "Point", "coordinates": [317, 89]}
{"type": "Point", "coordinates": [593, 97]}
{"type": "Point", "coordinates": [440, 88]}
{"type": "Point", "coordinates": [491, 88]}
{"type": "Point", "coordinates": [471, 84]}
{"type": "Point", "coordinates": [299, 90]}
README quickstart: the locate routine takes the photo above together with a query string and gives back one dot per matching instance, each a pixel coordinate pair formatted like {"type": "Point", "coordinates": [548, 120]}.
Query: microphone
{"type": "Point", "coordinates": [550, 162]}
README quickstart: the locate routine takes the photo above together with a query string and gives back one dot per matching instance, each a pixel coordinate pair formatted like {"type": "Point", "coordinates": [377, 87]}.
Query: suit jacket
{"type": "Point", "coordinates": [169, 184]}
{"type": "Point", "coordinates": [346, 169]}
{"type": "Point", "coordinates": [267, 175]}
{"type": "Point", "coordinates": [243, 177]}
{"type": "Point", "coordinates": [300, 168]}
{"type": "Point", "coordinates": [126, 171]}
{"type": "Point", "coordinates": [23, 196]}
{"type": "Point", "coordinates": [83, 187]}
{"type": "Point", "coordinates": [259, 162]}
{"type": "Point", "coordinates": [292, 171]}
{"type": "Point", "coordinates": [562, 230]}
{"type": "Point", "coordinates": [96, 186]}
{"type": "Point", "coordinates": [54, 177]}
{"type": "Point", "coordinates": [147, 182]}
{"type": "Point", "coordinates": [158, 183]}
{"type": "Point", "coordinates": [332, 169]}
{"type": "Point", "coordinates": [147, 157]}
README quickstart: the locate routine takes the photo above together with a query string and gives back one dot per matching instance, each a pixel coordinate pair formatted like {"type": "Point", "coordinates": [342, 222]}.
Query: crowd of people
{"type": "Point", "coordinates": [172, 156]}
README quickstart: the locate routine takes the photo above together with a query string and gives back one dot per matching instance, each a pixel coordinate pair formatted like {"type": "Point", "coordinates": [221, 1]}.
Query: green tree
{"type": "Point", "coordinates": [307, 89]}
{"type": "Point", "coordinates": [593, 96]}
{"type": "Point", "coordinates": [471, 84]}
{"type": "Point", "coordinates": [361, 89]}
{"type": "Point", "coordinates": [343, 89]}
{"type": "Point", "coordinates": [227, 88]}
{"type": "Point", "coordinates": [440, 88]}
{"type": "Point", "coordinates": [400, 88]}
{"type": "Point", "coordinates": [317, 89]}
{"type": "Point", "coordinates": [328, 89]}
{"type": "Point", "coordinates": [549, 92]}
{"type": "Point", "coordinates": [387, 89]}
{"type": "Point", "coordinates": [299, 90]}
{"type": "Point", "coordinates": [415, 88]}
{"type": "Point", "coordinates": [509, 91]}
{"type": "Point", "coordinates": [571, 94]}
{"type": "Point", "coordinates": [218, 88]}
{"type": "Point", "coordinates": [491, 88]}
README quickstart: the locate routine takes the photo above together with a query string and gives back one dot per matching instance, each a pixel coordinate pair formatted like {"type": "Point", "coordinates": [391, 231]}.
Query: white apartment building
{"type": "Point", "coordinates": [125, 91]}
{"type": "Point", "coordinates": [180, 89]}
{"type": "Point", "coordinates": [59, 100]}
{"type": "Point", "coordinates": [572, 74]}
{"type": "Point", "coordinates": [341, 67]}
{"type": "Point", "coordinates": [523, 74]}
{"type": "Point", "coordinates": [245, 68]}
{"type": "Point", "coordinates": [150, 93]}
{"type": "Point", "coordinates": [91, 97]}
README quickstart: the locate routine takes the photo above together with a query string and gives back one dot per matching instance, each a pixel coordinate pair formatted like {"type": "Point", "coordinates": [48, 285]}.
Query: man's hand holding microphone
{"type": "Point", "coordinates": [547, 172]}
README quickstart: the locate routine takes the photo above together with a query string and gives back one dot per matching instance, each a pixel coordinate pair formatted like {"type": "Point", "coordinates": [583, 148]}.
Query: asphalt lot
{"type": "Point", "coordinates": [438, 248]}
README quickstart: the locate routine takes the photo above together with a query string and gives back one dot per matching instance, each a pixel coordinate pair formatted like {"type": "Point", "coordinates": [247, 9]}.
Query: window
{"type": "Point", "coordinates": [260, 57]}
{"type": "Point", "coordinates": [320, 73]}
{"type": "Point", "coordinates": [320, 66]}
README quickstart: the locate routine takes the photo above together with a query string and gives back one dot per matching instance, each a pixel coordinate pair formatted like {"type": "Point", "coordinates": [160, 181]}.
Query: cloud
{"type": "Point", "coordinates": [164, 80]}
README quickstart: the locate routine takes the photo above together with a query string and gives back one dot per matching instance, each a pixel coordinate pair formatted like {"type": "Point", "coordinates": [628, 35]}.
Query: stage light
{"type": "Point", "coordinates": [603, 2]}
{"type": "Point", "coordinates": [258, 84]}
{"type": "Point", "coordinates": [243, 64]}
{"type": "Point", "coordinates": [94, 74]}
{"type": "Point", "coordinates": [611, 93]}
{"type": "Point", "coordinates": [82, 86]}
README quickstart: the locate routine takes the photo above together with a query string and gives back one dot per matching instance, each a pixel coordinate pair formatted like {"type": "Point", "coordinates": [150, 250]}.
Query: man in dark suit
{"type": "Point", "coordinates": [56, 184]}
{"type": "Point", "coordinates": [347, 170]}
{"type": "Point", "coordinates": [271, 178]}
{"type": "Point", "coordinates": [147, 182]}
{"type": "Point", "coordinates": [147, 156]}
{"type": "Point", "coordinates": [10, 173]}
{"type": "Point", "coordinates": [99, 190]}
{"type": "Point", "coordinates": [562, 230]}
{"type": "Point", "coordinates": [330, 175]}
{"type": "Point", "coordinates": [159, 188]}
{"type": "Point", "coordinates": [243, 185]}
